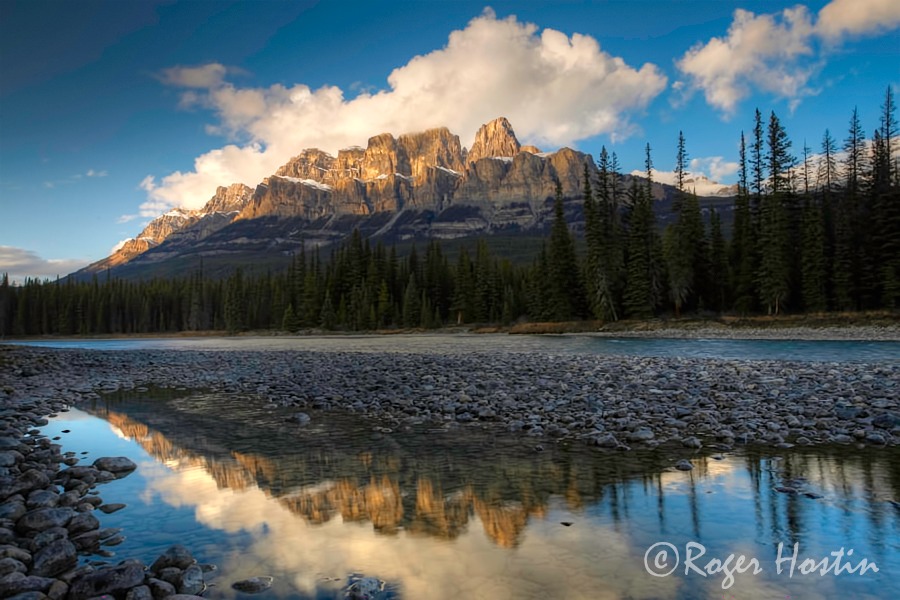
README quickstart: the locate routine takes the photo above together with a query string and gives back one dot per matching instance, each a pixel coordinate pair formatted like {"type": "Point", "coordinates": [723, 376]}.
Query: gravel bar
{"type": "Point", "coordinates": [612, 402]}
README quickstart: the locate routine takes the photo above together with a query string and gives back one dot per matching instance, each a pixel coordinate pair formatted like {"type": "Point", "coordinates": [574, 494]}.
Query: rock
{"type": "Point", "coordinates": [10, 565]}
{"type": "Point", "coordinates": [692, 442]}
{"type": "Point", "coordinates": [886, 421]}
{"type": "Point", "coordinates": [114, 540]}
{"type": "Point", "coordinates": [18, 583]}
{"type": "Point", "coordinates": [253, 585]}
{"type": "Point", "coordinates": [19, 554]}
{"type": "Point", "coordinates": [48, 536]}
{"type": "Point", "coordinates": [175, 556]}
{"type": "Point", "coordinates": [108, 580]}
{"type": "Point", "coordinates": [44, 518]}
{"type": "Point", "coordinates": [8, 443]}
{"type": "Point", "coordinates": [13, 509]}
{"type": "Point", "coordinates": [110, 508]}
{"type": "Point", "coordinates": [643, 434]}
{"type": "Point", "coordinates": [117, 465]}
{"type": "Point", "coordinates": [365, 588]}
{"type": "Point", "coordinates": [191, 581]}
{"type": "Point", "coordinates": [493, 140]}
{"type": "Point", "coordinates": [875, 438]}
{"type": "Point", "coordinates": [684, 465]}
{"type": "Point", "coordinates": [55, 558]}
{"type": "Point", "coordinates": [58, 590]}
{"type": "Point", "coordinates": [42, 499]}
{"type": "Point", "coordinates": [847, 412]}
{"type": "Point", "coordinates": [141, 592]}
{"type": "Point", "coordinates": [302, 419]}
{"type": "Point", "coordinates": [28, 596]}
{"type": "Point", "coordinates": [159, 588]}
{"type": "Point", "coordinates": [82, 522]}
{"type": "Point", "coordinates": [170, 574]}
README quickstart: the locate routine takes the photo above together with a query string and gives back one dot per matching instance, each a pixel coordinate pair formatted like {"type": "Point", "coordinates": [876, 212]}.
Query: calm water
{"type": "Point", "coordinates": [461, 514]}
{"type": "Point", "coordinates": [837, 351]}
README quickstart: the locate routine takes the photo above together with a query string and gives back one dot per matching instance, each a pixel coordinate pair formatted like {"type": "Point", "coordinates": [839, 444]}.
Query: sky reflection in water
{"type": "Point", "coordinates": [468, 515]}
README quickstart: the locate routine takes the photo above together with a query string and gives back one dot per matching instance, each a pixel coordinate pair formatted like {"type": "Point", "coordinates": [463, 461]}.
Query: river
{"type": "Point", "coordinates": [473, 514]}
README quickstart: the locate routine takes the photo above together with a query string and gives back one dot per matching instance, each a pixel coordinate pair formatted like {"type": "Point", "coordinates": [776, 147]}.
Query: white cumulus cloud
{"type": "Point", "coordinates": [779, 53]}
{"type": "Point", "coordinates": [714, 167]}
{"type": "Point", "coordinates": [841, 18]}
{"type": "Point", "coordinates": [556, 89]}
{"type": "Point", "coordinates": [20, 264]}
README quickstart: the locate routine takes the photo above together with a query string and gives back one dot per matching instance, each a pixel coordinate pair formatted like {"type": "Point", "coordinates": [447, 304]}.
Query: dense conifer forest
{"type": "Point", "coordinates": [813, 231]}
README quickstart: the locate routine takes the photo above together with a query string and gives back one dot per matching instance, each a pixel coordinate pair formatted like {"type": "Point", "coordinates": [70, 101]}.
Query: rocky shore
{"type": "Point", "coordinates": [47, 500]}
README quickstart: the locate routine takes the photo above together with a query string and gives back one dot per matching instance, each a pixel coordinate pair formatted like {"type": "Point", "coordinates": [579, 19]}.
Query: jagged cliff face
{"type": "Point", "coordinates": [417, 184]}
{"type": "Point", "coordinates": [182, 225]}
{"type": "Point", "coordinates": [428, 171]}
{"type": "Point", "coordinates": [494, 140]}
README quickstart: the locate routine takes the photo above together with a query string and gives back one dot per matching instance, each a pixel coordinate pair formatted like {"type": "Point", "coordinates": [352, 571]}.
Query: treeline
{"type": "Point", "coordinates": [809, 234]}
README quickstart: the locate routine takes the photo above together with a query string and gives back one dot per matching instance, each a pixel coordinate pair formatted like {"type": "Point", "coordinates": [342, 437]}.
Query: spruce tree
{"type": "Point", "coordinates": [719, 273]}
{"type": "Point", "coordinates": [566, 290]}
{"type": "Point", "coordinates": [743, 250]}
{"type": "Point", "coordinates": [813, 270]}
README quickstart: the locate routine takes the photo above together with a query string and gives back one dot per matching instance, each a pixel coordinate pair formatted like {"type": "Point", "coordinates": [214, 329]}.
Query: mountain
{"type": "Point", "coordinates": [179, 225]}
{"type": "Point", "coordinates": [417, 185]}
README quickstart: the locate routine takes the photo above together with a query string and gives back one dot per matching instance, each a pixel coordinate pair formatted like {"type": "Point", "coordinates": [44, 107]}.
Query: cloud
{"type": "Point", "coordinates": [203, 76]}
{"type": "Point", "coordinates": [779, 53]}
{"type": "Point", "coordinates": [554, 88]}
{"type": "Point", "coordinates": [707, 176]}
{"type": "Point", "coordinates": [20, 264]}
{"type": "Point", "coordinates": [768, 52]}
{"type": "Point", "coordinates": [127, 218]}
{"type": "Point", "coordinates": [841, 18]}
{"type": "Point", "coordinates": [119, 245]}
{"type": "Point", "coordinates": [75, 178]}
{"type": "Point", "coordinates": [715, 167]}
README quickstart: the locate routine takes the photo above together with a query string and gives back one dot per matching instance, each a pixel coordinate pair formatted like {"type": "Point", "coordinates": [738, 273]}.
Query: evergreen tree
{"type": "Point", "coordinates": [290, 321]}
{"type": "Point", "coordinates": [813, 257]}
{"type": "Point", "coordinates": [412, 304]}
{"type": "Point", "coordinates": [719, 274]}
{"type": "Point", "coordinates": [774, 271]}
{"type": "Point", "coordinates": [235, 308]}
{"type": "Point", "coordinates": [566, 290]}
{"type": "Point", "coordinates": [641, 287]}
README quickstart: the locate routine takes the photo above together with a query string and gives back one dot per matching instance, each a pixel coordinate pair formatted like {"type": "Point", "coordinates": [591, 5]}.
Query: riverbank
{"type": "Point", "coordinates": [613, 403]}
{"type": "Point", "coordinates": [874, 326]}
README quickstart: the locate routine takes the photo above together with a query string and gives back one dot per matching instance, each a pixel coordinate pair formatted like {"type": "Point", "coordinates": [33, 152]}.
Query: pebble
{"type": "Point", "coordinates": [253, 585]}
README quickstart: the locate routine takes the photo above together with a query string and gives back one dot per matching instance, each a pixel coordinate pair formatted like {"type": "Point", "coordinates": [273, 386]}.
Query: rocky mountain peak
{"type": "Point", "coordinates": [229, 199]}
{"type": "Point", "coordinates": [494, 140]}
{"type": "Point", "coordinates": [312, 163]}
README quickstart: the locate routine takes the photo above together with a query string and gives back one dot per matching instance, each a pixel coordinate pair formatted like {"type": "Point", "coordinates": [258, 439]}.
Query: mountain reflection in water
{"type": "Point", "coordinates": [467, 514]}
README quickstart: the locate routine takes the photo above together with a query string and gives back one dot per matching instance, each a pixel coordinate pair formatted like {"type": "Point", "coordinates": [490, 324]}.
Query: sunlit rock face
{"type": "Point", "coordinates": [422, 184]}
{"type": "Point", "coordinates": [180, 226]}
{"type": "Point", "coordinates": [494, 140]}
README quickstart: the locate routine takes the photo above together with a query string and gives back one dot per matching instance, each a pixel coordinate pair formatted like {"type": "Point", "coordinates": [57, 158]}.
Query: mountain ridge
{"type": "Point", "coordinates": [414, 185]}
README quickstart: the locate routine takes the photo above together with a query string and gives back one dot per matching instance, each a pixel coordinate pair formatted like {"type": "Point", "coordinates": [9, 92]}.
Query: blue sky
{"type": "Point", "coordinates": [115, 112]}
